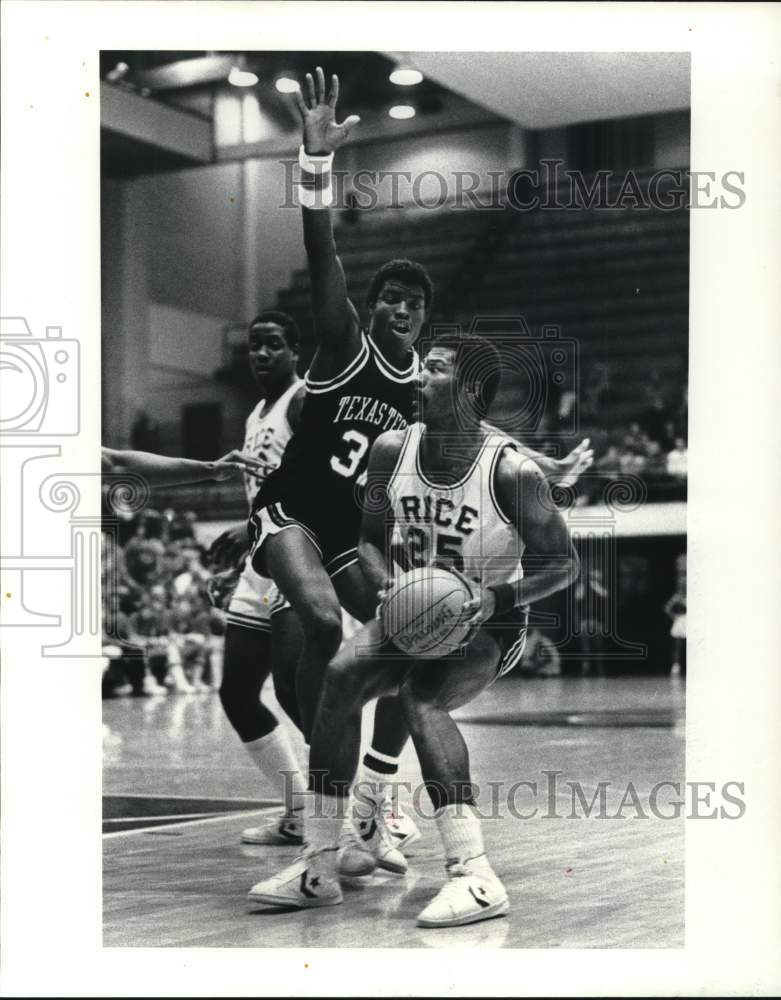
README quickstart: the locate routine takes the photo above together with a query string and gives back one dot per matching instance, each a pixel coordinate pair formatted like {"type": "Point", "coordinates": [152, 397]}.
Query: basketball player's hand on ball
{"type": "Point", "coordinates": [322, 133]}
{"type": "Point", "coordinates": [235, 461]}
{"type": "Point", "coordinates": [479, 609]}
{"type": "Point", "coordinates": [576, 463]}
{"type": "Point", "coordinates": [382, 597]}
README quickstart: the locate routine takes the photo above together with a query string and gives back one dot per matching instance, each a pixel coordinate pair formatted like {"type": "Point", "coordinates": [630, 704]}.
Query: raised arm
{"type": "Point", "coordinates": [376, 523]}
{"type": "Point", "coordinates": [336, 322]}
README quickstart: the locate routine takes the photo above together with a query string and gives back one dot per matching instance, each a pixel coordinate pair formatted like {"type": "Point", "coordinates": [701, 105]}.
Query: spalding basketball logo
{"type": "Point", "coordinates": [434, 624]}
{"type": "Point", "coordinates": [422, 615]}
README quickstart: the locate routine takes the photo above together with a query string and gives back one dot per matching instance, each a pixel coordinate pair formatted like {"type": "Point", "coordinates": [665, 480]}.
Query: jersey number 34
{"type": "Point", "coordinates": [347, 463]}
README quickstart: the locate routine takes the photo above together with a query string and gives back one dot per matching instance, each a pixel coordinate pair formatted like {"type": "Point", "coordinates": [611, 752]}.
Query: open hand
{"type": "Point", "coordinates": [575, 464]}
{"type": "Point", "coordinates": [235, 461]}
{"type": "Point", "coordinates": [322, 133]}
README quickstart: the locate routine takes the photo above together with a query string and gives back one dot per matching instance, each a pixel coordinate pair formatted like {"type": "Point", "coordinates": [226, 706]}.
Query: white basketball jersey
{"type": "Point", "coordinates": [460, 525]}
{"type": "Point", "coordinates": [266, 435]}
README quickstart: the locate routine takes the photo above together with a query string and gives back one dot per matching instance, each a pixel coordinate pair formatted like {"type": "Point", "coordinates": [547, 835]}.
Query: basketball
{"type": "Point", "coordinates": [421, 615]}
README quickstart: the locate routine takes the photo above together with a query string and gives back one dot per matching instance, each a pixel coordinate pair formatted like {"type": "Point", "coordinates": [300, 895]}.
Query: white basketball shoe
{"type": "Point", "coordinates": [309, 882]}
{"type": "Point", "coordinates": [375, 837]}
{"type": "Point", "coordinates": [401, 827]}
{"type": "Point", "coordinates": [353, 859]}
{"type": "Point", "coordinates": [468, 895]}
{"type": "Point", "coordinates": [276, 832]}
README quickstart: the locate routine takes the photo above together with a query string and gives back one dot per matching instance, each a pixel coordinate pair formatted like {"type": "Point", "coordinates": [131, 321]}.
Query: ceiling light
{"type": "Point", "coordinates": [119, 72]}
{"type": "Point", "coordinates": [402, 111]}
{"type": "Point", "coordinates": [242, 77]}
{"type": "Point", "coordinates": [405, 76]}
{"type": "Point", "coordinates": [287, 85]}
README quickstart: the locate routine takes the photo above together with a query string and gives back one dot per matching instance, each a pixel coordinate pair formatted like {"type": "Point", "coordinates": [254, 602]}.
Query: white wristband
{"type": "Point", "coordinates": [314, 197]}
{"type": "Point", "coordinates": [315, 164]}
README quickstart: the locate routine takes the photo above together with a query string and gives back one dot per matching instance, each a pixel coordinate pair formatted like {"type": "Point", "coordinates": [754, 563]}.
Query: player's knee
{"type": "Point", "coordinates": [232, 694]}
{"type": "Point", "coordinates": [323, 626]}
{"type": "Point", "coordinates": [344, 681]}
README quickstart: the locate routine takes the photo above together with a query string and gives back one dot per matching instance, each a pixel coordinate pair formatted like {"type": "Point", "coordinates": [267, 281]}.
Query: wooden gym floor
{"type": "Point", "coordinates": [178, 790]}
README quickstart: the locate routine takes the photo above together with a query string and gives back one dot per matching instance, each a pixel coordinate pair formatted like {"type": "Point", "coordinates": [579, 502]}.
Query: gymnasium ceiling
{"type": "Point", "coordinates": [532, 89]}
{"type": "Point", "coordinates": [550, 89]}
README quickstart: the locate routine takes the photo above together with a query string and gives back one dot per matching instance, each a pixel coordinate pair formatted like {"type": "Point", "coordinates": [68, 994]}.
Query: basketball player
{"type": "Point", "coordinates": [273, 341]}
{"type": "Point", "coordinates": [473, 501]}
{"type": "Point", "coordinates": [306, 521]}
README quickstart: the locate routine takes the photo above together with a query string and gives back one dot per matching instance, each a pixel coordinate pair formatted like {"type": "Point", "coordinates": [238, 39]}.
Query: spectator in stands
{"type": "Point", "coordinates": [144, 552]}
{"type": "Point", "coordinates": [115, 579]}
{"type": "Point", "coordinates": [183, 526]}
{"type": "Point", "coordinates": [595, 393]}
{"type": "Point", "coordinates": [676, 609]}
{"type": "Point", "coordinates": [681, 419]}
{"type": "Point", "coordinates": [194, 576]}
{"type": "Point", "coordinates": [633, 439]}
{"type": "Point", "coordinates": [565, 409]}
{"type": "Point", "coordinates": [173, 563]}
{"type": "Point", "coordinates": [655, 461]}
{"type": "Point", "coordinates": [678, 459]}
{"type": "Point", "coordinates": [655, 414]}
{"type": "Point", "coordinates": [149, 628]}
{"type": "Point", "coordinates": [123, 668]}
{"type": "Point", "coordinates": [590, 615]}
{"type": "Point", "coordinates": [609, 464]}
{"type": "Point", "coordinates": [669, 436]}
{"type": "Point", "coordinates": [171, 638]}
{"type": "Point", "coordinates": [190, 639]}
{"type": "Point", "coordinates": [632, 460]}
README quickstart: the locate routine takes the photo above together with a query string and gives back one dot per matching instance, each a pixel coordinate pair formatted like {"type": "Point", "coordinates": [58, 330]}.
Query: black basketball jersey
{"type": "Point", "coordinates": [325, 461]}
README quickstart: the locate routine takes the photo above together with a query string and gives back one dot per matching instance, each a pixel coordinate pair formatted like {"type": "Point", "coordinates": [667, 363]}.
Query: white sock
{"type": "Point", "coordinates": [462, 836]}
{"type": "Point", "coordinates": [376, 776]}
{"type": "Point", "coordinates": [273, 754]}
{"type": "Point", "coordinates": [323, 823]}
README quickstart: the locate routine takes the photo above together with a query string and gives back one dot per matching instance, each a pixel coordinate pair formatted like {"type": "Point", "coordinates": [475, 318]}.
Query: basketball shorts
{"type": "Point", "coordinates": [334, 535]}
{"type": "Point", "coordinates": [509, 631]}
{"type": "Point", "coordinates": [254, 601]}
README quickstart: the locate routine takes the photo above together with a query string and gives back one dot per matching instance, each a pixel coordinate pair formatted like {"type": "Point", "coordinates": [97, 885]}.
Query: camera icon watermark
{"type": "Point", "coordinates": [39, 379]}
{"type": "Point", "coordinates": [536, 371]}
{"type": "Point", "coordinates": [40, 400]}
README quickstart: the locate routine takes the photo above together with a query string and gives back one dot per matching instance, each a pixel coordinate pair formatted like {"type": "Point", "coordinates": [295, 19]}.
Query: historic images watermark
{"type": "Point", "coordinates": [551, 796]}
{"type": "Point", "coordinates": [548, 187]}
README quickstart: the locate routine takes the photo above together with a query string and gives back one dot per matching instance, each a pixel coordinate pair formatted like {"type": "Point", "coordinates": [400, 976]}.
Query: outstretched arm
{"type": "Point", "coordinates": [336, 321]}
{"type": "Point", "coordinates": [159, 470]}
{"type": "Point", "coordinates": [563, 471]}
{"type": "Point", "coordinates": [560, 471]}
{"type": "Point", "coordinates": [377, 515]}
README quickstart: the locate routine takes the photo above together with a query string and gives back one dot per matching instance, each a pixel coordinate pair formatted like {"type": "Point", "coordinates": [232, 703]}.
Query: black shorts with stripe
{"type": "Point", "coordinates": [333, 533]}
{"type": "Point", "coordinates": [509, 631]}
